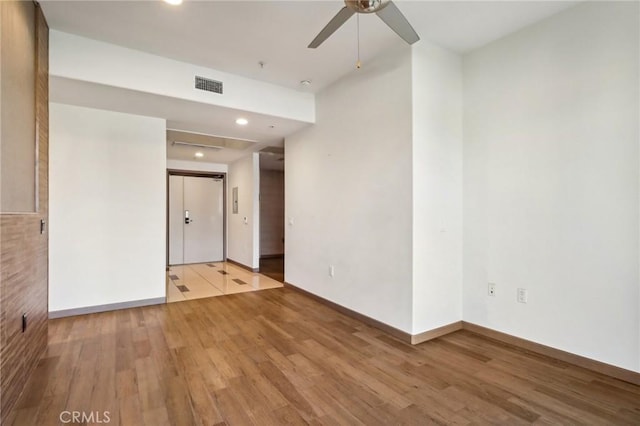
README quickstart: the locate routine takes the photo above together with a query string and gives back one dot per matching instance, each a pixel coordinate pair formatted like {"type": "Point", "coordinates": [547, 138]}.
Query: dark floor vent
{"type": "Point", "coordinates": [208, 85]}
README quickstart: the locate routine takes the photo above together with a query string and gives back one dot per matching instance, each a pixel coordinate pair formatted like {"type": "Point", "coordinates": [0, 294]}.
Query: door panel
{"type": "Point", "coordinates": [203, 235]}
{"type": "Point", "coordinates": [176, 220]}
{"type": "Point", "coordinates": [201, 238]}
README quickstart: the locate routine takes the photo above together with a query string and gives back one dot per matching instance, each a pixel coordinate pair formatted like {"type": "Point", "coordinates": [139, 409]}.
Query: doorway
{"type": "Point", "coordinates": [272, 213]}
{"type": "Point", "coordinates": [196, 218]}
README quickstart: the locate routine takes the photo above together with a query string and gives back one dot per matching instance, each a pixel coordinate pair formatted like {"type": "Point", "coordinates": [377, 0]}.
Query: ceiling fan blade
{"type": "Point", "coordinates": [337, 21]}
{"type": "Point", "coordinates": [392, 16]}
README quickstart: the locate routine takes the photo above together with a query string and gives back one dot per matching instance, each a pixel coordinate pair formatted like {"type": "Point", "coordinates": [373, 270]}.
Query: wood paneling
{"type": "Point", "coordinates": [277, 357]}
{"type": "Point", "coordinates": [18, 148]}
{"type": "Point", "coordinates": [271, 212]}
{"type": "Point", "coordinates": [24, 253]}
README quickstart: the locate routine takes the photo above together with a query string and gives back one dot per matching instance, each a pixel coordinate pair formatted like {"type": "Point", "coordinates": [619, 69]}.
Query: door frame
{"type": "Point", "coordinates": [219, 175]}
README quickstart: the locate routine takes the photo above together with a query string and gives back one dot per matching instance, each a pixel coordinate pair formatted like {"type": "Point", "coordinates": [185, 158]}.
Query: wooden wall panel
{"type": "Point", "coordinates": [18, 148]}
{"type": "Point", "coordinates": [271, 212]}
{"type": "Point", "coordinates": [24, 254]}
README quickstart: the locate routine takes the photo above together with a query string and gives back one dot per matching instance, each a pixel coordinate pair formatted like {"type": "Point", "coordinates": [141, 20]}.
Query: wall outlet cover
{"type": "Point", "coordinates": [491, 289]}
{"type": "Point", "coordinates": [523, 295]}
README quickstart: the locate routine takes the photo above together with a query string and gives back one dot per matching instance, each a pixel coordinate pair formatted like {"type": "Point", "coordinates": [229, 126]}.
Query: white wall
{"type": "Point", "coordinates": [243, 239]}
{"type": "Point", "coordinates": [196, 166]}
{"type": "Point", "coordinates": [551, 183]}
{"type": "Point", "coordinates": [348, 193]}
{"type": "Point", "coordinates": [107, 207]}
{"type": "Point", "coordinates": [84, 59]}
{"type": "Point", "coordinates": [437, 186]}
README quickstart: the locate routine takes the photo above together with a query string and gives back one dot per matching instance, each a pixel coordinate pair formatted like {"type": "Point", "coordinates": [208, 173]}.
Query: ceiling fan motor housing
{"type": "Point", "coordinates": [366, 6]}
{"type": "Point", "coordinates": [385, 9]}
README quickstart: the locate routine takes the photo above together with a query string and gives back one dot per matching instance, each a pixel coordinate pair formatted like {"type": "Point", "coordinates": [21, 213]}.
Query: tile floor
{"type": "Point", "coordinates": [186, 282]}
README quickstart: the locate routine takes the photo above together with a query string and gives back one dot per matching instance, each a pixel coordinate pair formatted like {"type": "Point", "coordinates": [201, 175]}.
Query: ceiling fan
{"type": "Point", "coordinates": [385, 9]}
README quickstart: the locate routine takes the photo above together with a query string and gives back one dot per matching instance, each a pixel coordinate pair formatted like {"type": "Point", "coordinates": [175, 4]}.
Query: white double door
{"type": "Point", "coordinates": [196, 219]}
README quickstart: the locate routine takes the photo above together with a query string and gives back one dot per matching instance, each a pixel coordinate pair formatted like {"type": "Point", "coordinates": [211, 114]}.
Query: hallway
{"type": "Point", "coordinates": [273, 267]}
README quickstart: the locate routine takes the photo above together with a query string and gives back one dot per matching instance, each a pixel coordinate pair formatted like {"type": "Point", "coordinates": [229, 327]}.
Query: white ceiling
{"type": "Point", "coordinates": [234, 36]}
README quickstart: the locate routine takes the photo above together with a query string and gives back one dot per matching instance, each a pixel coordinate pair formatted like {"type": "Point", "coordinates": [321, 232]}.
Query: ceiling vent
{"type": "Point", "coordinates": [208, 85]}
{"type": "Point", "coordinates": [197, 145]}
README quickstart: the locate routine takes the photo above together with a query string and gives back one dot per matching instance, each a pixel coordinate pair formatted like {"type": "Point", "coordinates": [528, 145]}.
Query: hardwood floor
{"type": "Point", "coordinates": [273, 267]}
{"type": "Point", "coordinates": [277, 357]}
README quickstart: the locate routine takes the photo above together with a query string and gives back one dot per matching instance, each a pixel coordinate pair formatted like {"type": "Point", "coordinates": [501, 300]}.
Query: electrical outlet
{"type": "Point", "coordinates": [522, 295]}
{"type": "Point", "coordinates": [492, 289]}
{"type": "Point", "coordinates": [331, 271]}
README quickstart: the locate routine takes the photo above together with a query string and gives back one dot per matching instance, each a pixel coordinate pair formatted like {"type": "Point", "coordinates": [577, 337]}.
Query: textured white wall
{"type": "Point", "coordinates": [551, 183]}
{"type": "Point", "coordinates": [437, 186]}
{"type": "Point", "coordinates": [243, 239]}
{"type": "Point", "coordinates": [107, 207]}
{"type": "Point", "coordinates": [348, 193]}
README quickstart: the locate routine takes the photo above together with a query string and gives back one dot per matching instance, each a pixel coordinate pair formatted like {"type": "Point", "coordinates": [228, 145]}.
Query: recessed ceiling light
{"type": "Point", "coordinates": [305, 82]}
{"type": "Point", "coordinates": [173, 2]}
{"type": "Point", "coordinates": [199, 154]}
{"type": "Point", "coordinates": [242, 121]}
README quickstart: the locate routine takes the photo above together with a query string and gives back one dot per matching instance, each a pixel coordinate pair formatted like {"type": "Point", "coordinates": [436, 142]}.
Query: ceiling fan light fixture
{"type": "Point", "coordinates": [385, 9]}
{"type": "Point", "coordinates": [366, 6]}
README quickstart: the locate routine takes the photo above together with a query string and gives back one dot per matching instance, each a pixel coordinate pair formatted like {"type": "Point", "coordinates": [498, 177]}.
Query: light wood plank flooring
{"type": "Point", "coordinates": [276, 357]}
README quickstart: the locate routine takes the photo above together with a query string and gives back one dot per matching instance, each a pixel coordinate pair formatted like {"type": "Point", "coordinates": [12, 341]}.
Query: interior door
{"type": "Point", "coordinates": [203, 228]}
{"type": "Point", "coordinates": [196, 219]}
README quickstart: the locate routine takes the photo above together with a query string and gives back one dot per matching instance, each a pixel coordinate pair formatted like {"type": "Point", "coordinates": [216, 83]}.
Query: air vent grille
{"type": "Point", "coordinates": [208, 85]}
{"type": "Point", "coordinates": [198, 145]}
